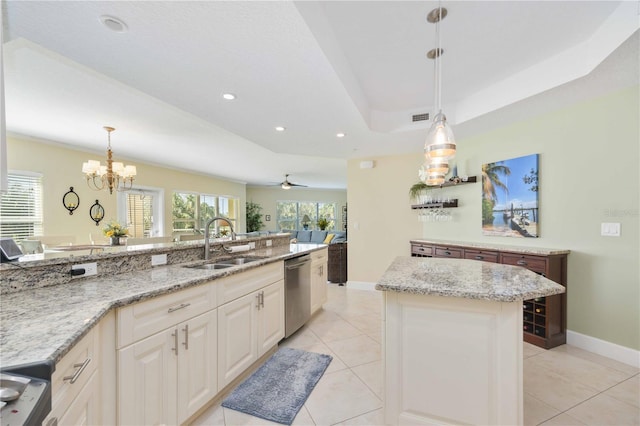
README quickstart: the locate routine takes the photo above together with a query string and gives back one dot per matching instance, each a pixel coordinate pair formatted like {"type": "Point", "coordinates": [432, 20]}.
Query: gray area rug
{"type": "Point", "coordinates": [280, 387]}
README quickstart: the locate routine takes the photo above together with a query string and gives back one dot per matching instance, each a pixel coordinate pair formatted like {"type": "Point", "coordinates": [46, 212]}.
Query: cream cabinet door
{"type": "Point", "coordinates": [197, 363]}
{"type": "Point", "coordinates": [147, 386]}
{"type": "Point", "coordinates": [270, 317]}
{"type": "Point", "coordinates": [318, 285]}
{"type": "Point", "coordinates": [85, 409]}
{"type": "Point", "coordinates": [237, 337]}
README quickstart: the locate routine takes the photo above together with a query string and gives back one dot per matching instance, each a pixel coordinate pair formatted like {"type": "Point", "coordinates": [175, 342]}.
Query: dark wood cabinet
{"type": "Point", "coordinates": [545, 318]}
{"type": "Point", "coordinates": [444, 251]}
{"type": "Point", "coordinates": [337, 272]}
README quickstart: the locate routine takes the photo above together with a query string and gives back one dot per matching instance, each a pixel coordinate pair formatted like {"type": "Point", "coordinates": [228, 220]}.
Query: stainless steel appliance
{"type": "Point", "coordinates": [23, 400]}
{"type": "Point", "coordinates": [297, 293]}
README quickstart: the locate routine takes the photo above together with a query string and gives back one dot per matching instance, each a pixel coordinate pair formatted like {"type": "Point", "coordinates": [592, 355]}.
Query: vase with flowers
{"type": "Point", "coordinates": [115, 231]}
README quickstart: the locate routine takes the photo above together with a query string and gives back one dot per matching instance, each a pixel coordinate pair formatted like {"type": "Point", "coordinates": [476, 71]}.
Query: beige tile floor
{"type": "Point", "coordinates": [563, 386]}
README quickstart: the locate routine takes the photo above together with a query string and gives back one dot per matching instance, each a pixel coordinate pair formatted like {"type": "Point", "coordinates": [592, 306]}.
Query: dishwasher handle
{"type": "Point", "coordinates": [297, 262]}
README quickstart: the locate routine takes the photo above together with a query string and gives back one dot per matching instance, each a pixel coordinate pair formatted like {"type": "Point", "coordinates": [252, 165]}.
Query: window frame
{"type": "Point", "coordinates": [298, 218]}
{"type": "Point", "coordinates": [37, 219]}
{"type": "Point", "coordinates": [199, 222]}
{"type": "Point", "coordinates": [157, 208]}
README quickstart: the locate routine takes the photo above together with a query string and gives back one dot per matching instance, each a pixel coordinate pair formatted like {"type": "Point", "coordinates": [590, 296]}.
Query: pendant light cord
{"type": "Point", "coordinates": [439, 60]}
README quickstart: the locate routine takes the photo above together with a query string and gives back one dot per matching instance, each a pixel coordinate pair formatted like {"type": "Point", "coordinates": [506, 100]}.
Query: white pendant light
{"type": "Point", "coordinates": [440, 142]}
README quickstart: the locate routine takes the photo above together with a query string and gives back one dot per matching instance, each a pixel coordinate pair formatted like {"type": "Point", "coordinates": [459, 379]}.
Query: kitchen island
{"type": "Point", "coordinates": [148, 345]}
{"type": "Point", "coordinates": [452, 340]}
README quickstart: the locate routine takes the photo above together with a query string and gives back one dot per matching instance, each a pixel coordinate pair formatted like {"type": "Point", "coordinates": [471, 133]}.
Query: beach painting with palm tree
{"type": "Point", "coordinates": [510, 197]}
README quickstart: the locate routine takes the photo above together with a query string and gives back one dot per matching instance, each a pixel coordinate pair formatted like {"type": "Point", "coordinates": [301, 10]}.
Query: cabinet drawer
{"type": "Point", "coordinates": [74, 370]}
{"type": "Point", "coordinates": [238, 285]}
{"type": "Point", "coordinates": [421, 250]}
{"type": "Point", "coordinates": [143, 319]}
{"type": "Point", "coordinates": [486, 256]}
{"type": "Point", "coordinates": [448, 252]}
{"type": "Point", "coordinates": [320, 255]}
{"type": "Point", "coordinates": [533, 263]}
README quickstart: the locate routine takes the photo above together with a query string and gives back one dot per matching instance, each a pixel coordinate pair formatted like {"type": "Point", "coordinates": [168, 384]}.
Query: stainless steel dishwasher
{"type": "Point", "coordinates": [297, 293]}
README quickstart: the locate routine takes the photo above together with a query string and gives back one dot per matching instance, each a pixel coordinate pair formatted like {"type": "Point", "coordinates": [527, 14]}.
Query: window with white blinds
{"type": "Point", "coordinates": [140, 215]}
{"type": "Point", "coordinates": [21, 206]}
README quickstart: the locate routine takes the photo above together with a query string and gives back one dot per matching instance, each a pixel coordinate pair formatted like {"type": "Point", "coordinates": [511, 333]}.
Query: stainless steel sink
{"type": "Point", "coordinates": [237, 261]}
{"type": "Point", "coordinates": [224, 263]}
{"type": "Point", "coordinates": [209, 266]}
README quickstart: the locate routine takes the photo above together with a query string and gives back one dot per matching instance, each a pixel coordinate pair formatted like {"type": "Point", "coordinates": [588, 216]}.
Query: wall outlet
{"type": "Point", "coordinates": [89, 269]}
{"type": "Point", "coordinates": [252, 245]}
{"type": "Point", "coordinates": [269, 243]}
{"type": "Point", "coordinates": [610, 229]}
{"type": "Point", "coordinates": [159, 259]}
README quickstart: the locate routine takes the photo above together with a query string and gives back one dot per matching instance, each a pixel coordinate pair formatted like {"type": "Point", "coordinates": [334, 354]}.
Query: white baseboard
{"type": "Point", "coordinates": [361, 285]}
{"type": "Point", "coordinates": [604, 348]}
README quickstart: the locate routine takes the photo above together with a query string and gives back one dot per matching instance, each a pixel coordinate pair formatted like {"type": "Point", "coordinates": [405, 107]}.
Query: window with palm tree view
{"type": "Point", "coordinates": [295, 215]}
{"type": "Point", "coordinates": [192, 211]}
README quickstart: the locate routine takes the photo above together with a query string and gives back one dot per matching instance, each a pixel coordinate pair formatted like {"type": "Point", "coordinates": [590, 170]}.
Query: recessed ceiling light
{"type": "Point", "coordinates": [114, 24]}
{"type": "Point", "coordinates": [340, 135]}
{"type": "Point", "coordinates": [280, 129]}
{"type": "Point", "coordinates": [229, 96]}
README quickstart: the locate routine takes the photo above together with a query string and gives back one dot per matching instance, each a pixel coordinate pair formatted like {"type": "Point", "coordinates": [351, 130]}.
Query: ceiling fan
{"type": "Point", "coordinates": [287, 185]}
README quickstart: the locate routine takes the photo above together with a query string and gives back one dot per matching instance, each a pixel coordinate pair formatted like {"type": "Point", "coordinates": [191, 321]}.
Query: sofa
{"type": "Point", "coordinates": [317, 236]}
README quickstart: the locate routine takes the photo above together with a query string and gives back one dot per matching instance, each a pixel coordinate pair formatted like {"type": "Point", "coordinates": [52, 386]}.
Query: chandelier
{"type": "Point", "coordinates": [114, 175]}
{"type": "Point", "coordinates": [440, 145]}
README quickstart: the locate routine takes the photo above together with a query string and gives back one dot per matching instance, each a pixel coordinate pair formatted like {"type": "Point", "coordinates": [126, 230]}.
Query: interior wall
{"type": "Point", "coordinates": [588, 174]}
{"type": "Point", "coordinates": [269, 197]}
{"type": "Point", "coordinates": [61, 168]}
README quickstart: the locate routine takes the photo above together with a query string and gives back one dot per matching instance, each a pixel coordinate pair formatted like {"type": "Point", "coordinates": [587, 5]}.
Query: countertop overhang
{"type": "Point", "coordinates": [44, 323]}
{"type": "Point", "coordinates": [469, 279]}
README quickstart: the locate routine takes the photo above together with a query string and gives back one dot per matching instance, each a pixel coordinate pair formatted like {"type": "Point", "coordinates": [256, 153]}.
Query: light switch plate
{"type": "Point", "coordinates": [610, 229]}
{"type": "Point", "coordinates": [158, 259]}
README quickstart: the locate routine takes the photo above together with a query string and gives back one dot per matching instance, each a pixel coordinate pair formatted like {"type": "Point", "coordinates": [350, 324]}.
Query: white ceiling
{"type": "Point", "coordinates": [317, 68]}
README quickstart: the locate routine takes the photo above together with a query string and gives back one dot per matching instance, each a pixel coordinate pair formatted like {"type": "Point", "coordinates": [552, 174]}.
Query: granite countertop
{"type": "Point", "coordinates": [43, 324]}
{"type": "Point", "coordinates": [469, 279]}
{"type": "Point", "coordinates": [488, 246]}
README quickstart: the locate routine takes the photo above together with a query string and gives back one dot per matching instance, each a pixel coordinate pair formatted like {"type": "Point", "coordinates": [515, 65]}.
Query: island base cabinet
{"type": "Point", "coordinates": [247, 328]}
{"type": "Point", "coordinates": [319, 272]}
{"type": "Point", "coordinates": [237, 337]}
{"type": "Point", "coordinates": [452, 361]}
{"type": "Point", "coordinates": [75, 385]}
{"type": "Point", "coordinates": [168, 376]}
{"type": "Point", "coordinates": [271, 317]}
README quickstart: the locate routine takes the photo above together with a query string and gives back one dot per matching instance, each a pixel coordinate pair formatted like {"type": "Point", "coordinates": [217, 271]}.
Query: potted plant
{"type": "Point", "coordinates": [254, 217]}
{"type": "Point", "coordinates": [114, 231]}
{"type": "Point", "coordinates": [416, 189]}
{"type": "Point", "coordinates": [323, 223]}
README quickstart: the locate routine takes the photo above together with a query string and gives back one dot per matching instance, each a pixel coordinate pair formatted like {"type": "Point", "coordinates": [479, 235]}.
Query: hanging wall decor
{"type": "Point", "coordinates": [70, 200]}
{"type": "Point", "coordinates": [510, 197]}
{"type": "Point", "coordinates": [96, 212]}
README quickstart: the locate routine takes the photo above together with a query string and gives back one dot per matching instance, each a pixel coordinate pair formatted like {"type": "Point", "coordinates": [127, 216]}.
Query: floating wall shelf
{"type": "Point", "coordinates": [441, 205]}
{"type": "Point", "coordinates": [470, 179]}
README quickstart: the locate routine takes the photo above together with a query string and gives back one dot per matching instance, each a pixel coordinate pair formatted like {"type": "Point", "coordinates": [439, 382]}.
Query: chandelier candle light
{"type": "Point", "coordinates": [114, 175]}
{"type": "Point", "coordinates": [440, 145]}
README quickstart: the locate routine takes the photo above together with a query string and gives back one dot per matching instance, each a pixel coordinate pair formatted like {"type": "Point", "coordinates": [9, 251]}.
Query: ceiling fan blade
{"type": "Point", "coordinates": [297, 184]}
